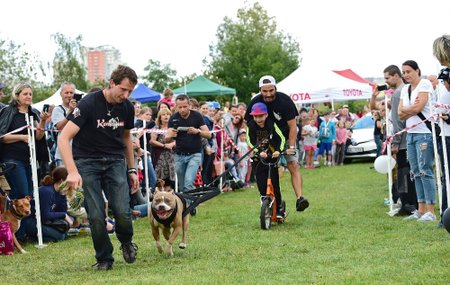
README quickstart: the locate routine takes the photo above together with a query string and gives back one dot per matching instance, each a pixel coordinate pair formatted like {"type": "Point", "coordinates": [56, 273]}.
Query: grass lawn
{"type": "Point", "coordinates": [345, 237]}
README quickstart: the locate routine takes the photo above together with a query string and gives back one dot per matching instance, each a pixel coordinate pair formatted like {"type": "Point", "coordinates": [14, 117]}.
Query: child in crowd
{"type": "Point", "coordinates": [243, 149]}
{"type": "Point", "coordinates": [327, 136]}
{"type": "Point", "coordinates": [341, 140]}
{"type": "Point", "coordinates": [348, 127]}
{"type": "Point", "coordinates": [264, 134]}
{"type": "Point", "coordinates": [310, 143]}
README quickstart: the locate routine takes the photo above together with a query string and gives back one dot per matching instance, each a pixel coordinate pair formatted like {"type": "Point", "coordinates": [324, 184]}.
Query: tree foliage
{"type": "Point", "coordinates": [159, 76]}
{"type": "Point", "coordinates": [249, 48]}
{"type": "Point", "coordinates": [68, 63]}
{"type": "Point", "coordinates": [18, 65]}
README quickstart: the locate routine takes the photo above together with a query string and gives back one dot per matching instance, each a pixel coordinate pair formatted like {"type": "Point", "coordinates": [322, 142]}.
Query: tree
{"type": "Point", "coordinates": [18, 65]}
{"type": "Point", "coordinates": [159, 76]}
{"type": "Point", "coordinates": [249, 48]}
{"type": "Point", "coordinates": [68, 63]}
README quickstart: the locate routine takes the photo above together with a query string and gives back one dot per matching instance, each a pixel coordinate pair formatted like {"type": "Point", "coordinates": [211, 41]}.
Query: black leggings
{"type": "Point", "coordinates": [261, 172]}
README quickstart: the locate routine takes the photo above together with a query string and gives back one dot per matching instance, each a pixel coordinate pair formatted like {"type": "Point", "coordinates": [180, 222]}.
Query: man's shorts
{"type": "Point", "coordinates": [293, 157]}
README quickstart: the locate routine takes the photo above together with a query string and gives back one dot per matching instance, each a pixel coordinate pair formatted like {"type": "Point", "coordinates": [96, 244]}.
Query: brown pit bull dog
{"type": "Point", "coordinates": [166, 213]}
{"type": "Point", "coordinates": [18, 209]}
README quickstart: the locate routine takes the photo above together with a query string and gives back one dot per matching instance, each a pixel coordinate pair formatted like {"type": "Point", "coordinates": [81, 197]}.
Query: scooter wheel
{"type": "Point", "coordinates": [266, 215]}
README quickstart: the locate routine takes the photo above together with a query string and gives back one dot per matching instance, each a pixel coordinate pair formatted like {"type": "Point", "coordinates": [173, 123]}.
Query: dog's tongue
{"type": "Point", "coordinates": [162, 213]}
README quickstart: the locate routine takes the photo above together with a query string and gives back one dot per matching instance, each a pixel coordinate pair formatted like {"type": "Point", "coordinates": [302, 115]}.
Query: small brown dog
{"type": "Point", "coordinates": [166, 212]}
{"type": "Point", "coordinates": [18, 209]}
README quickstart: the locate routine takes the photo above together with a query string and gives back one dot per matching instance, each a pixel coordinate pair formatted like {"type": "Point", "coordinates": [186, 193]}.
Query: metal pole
{"type": "Point", "coordinates": [389, 155]}
{"type": "Point", "coordinates": [147, 189]}
{"type": "Point", "coordinates": [33, 164]}
{"type": "Point", "coordinates": [222, 122]}
{"type": "Point", "coordinates": [436, 154]}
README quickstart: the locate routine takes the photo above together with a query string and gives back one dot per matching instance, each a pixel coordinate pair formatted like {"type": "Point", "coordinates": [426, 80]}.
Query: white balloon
{"type": "Point", "coordinates": [381, 164]}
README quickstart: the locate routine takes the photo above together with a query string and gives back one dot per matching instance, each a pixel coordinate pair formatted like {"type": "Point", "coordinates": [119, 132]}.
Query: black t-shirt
{"type": "Point", "coordinates": [101, 127]}
{"type": "Point", "coordinates": [281, 110]}
{"type": "Point", "coordinates": [186, 143]}
{"type": "Point", "coordinates": [18, 150]}
{"type": "Point", "coordinates": [258, 135]}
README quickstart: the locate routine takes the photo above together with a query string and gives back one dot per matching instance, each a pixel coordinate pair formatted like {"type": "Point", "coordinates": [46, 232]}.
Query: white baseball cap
{"type": "Point", "coordinates": [267, 80]}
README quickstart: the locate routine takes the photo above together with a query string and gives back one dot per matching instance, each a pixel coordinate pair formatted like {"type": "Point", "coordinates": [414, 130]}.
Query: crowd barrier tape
{"type": "Point", "coordinates": [388, 140]}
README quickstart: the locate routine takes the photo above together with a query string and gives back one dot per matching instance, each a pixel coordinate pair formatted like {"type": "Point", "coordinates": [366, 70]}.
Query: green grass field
{"type": "Point", "coordinates": [345, 237]}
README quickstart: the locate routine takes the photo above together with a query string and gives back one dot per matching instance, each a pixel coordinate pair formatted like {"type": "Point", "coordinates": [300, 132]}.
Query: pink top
{"type": "Point", "coordinates": [168, 101]}
{"type": "Point", "coordinates": [341, 135]}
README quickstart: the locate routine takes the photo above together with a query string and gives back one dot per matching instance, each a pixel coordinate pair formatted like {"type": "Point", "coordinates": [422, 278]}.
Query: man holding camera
{"type": "Point", "coordinates": [405, 186]}
{"type": "Point", "coordinates": [187, 128]}
{"type": "Point", "coordinates": [59, 114]}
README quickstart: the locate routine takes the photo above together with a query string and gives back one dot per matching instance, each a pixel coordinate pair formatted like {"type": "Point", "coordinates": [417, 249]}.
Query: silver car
{"type": "Point", "coordinates": [363, 143]}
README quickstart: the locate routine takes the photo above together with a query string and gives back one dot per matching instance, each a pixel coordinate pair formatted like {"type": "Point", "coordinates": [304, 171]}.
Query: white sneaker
{"type": "Point", "coordinates": [427, 217]}
{"type": "Point", "coordinates": [414, 216]}
{"type": "Point", "coordinates": [329, 163]}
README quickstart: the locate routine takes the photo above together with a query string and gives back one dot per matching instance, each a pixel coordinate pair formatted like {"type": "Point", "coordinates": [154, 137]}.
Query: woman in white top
{"type": "Point", "coordinates": [413, 103]}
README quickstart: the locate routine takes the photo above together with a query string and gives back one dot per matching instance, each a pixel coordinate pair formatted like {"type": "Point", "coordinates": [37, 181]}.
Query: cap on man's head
{"type": "Point", "coordinates": [259, 109]}
{"type": "Point", "coordinates": [2, 85]}
{"type": "Point", "coordinates": [267, 80]}
{"type": "Point", "coordinates": [345, 106]}
{"type": "Point", "coordinates": [444, 74]}
{"type": "Point", "coordinates": [242, 131]}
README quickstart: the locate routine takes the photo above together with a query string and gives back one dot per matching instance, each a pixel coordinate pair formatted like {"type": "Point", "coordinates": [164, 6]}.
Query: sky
{"type": "Point", "coordinates": [365, 36]}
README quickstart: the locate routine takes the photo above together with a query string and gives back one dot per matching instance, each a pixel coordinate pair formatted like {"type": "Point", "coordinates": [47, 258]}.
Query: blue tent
{"type": "Point", "coordinates": [144, 94]}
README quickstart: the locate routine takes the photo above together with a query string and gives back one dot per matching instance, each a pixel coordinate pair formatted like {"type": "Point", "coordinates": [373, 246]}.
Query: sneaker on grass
{"type": "Point", "coordinates": [103, 265]}
{"type": "Point", "coordinates": [301, 204]}
{"type": "Point", "coordinates": [427, 217]}
{"type": "Point", "coordinates": [414, 216]}
{"type": "Point", "coordinates": [129, 251]}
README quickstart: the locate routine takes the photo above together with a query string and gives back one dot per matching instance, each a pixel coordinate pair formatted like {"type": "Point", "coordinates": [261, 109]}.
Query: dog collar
{"type": "Point", "coordinates": [13, 211]}
{"type": "Point", "coordinates": [167, 221]}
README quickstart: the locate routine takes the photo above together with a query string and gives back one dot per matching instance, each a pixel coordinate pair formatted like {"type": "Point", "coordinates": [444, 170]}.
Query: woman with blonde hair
{"type": "Point", "coordinates": [162, 155]}
{"type": "Point", "coordinates": [15, 147]}
{"type": "Point", "coordinates": [441, 50]}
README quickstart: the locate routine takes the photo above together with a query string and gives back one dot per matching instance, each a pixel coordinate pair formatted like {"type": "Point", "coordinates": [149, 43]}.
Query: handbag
{"type": "Point", "coordinates": [59, 224]}
{"type": "Point", "coordinates": [6, 239]}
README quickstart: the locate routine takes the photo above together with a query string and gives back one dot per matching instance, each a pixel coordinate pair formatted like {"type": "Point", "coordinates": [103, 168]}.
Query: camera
{"type": "Point", "coordinates": [382, 87]}
{"type": "Point", "coordinates": [182, 129]}
{"type": "Point", "coordinates": [77, 97]}
{"type": "Point", "coordinates": [45, 108]}
{"type": "Point", "coordinates": [176, 123]}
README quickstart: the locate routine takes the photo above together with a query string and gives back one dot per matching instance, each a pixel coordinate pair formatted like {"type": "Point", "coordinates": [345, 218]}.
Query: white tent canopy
{"type": "Point", "coordinates": [55, 99]}
{"type": "Point", "coordinates": [308, 84]}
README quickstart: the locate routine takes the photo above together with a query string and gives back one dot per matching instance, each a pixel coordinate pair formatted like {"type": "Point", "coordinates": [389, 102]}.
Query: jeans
{"type": "Point", "coordinates": [186, 167]}
{"type": "Point", "coordinates": [143, 208]}
{"type": "Point", "coordinates": [150, 172]}
{"type": "Point", "coordinates": [421, 158]}
{"type": "Point", "coordinates": [378, 143]}
{"type": "Point", "coordinates": [19, 179]}
{"type": "Point", "coordinates": [109, 175]}
{"type": "Point", "coordinates": [28, 230]}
